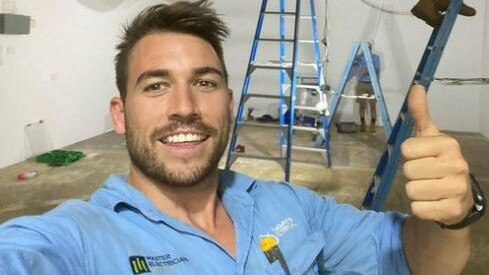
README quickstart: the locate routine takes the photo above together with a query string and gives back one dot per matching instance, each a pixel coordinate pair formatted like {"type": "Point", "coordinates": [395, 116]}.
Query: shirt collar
{"type": "Point", "coordinates": [117, 191]}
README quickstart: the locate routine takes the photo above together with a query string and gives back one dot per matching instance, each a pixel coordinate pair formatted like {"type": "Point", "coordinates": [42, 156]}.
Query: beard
{"type": "Point", "coordinates": [144, 156]}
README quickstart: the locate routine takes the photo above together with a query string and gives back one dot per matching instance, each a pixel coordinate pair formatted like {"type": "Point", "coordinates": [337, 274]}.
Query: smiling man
{"type": "Point", "coordinates": [176, 213]}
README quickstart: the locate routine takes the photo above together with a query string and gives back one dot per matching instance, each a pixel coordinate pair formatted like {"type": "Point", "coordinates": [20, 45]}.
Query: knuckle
{"type": "Point", "coordinates": [410, 190]}
{"type": "Point", "coordinates": [462, 167]}
{"type": "Point", "coordinates": [407, 147]}
{"type": "Point", "coordinates": [404, 148]}
{"type": "Point", "coordinates": [407, 170]}
{"type": "Point", "coordinates": [461, 189]}
{"type": "Point", "coordinates": [456, 211]}
{"type": "Point", "coordinates": [451, 142]}
{"type": "Point", "coordinates": [417, 210]}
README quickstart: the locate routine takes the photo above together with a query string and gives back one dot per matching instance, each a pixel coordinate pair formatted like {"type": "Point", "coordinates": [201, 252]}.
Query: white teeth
{"type": "Point", "coordinates": [184, 138]}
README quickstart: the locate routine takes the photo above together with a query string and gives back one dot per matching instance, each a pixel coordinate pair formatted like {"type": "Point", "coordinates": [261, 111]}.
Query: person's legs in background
{"type": "Point", "coordinates": [362, 109]}
{"type": "Point", "coordinates": [373, 115]}
{"type": "Point", "coordinates": [362, 104]}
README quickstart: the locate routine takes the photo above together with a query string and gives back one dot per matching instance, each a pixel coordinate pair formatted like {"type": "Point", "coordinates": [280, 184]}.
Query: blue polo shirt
{"type": "Point", "coordinates": [119, 231]}
{"type": "Point", "coordinates": [360, 63]}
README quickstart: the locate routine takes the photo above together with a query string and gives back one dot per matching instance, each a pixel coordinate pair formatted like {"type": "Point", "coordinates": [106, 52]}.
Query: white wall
{"type": "Point", "coordinates": [484, 99]}
{"type": "Point", "coordinates": [63, 71]}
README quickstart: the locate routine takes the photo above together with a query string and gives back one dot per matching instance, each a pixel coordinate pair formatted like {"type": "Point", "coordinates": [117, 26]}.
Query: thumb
{"type": "Point", "coordinates": [418, 108]}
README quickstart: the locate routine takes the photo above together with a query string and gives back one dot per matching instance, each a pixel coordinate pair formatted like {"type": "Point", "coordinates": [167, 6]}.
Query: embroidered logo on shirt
{"type": "Point", "coordinates": [283, 227]}
{"type": "Point", "coordinates": [146, 264]}
{"type": "Point", "coordinates": [138, 264]}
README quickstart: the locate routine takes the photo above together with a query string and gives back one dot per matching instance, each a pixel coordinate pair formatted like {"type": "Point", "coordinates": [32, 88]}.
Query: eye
{"type": "Point", "coordinates": [156, 87]}
{"type": "Point", "coordinates": [205, 84]}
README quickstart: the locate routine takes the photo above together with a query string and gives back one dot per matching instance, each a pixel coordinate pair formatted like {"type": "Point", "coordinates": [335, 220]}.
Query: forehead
{"type": "Point", "coordinates": [168, 50]}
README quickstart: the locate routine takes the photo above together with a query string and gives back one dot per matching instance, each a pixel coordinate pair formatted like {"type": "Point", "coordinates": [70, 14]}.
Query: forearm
{"type": "Point", "coordinates": [432, 250]}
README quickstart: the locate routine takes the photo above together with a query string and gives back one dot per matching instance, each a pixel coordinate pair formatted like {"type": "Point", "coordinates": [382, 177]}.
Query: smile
{"type": "Point", "coordinates": [184, 137]}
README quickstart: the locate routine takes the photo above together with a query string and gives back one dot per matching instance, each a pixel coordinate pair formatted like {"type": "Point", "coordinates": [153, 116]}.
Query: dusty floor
{"type": "Point", "coordinates": [354, 159]}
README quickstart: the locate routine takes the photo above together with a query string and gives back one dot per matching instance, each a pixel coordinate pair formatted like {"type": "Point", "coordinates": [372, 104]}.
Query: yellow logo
{"type": "Point", "coordinates": [268, 242]}
{"type": "Point", "coordinates": [139, 264]}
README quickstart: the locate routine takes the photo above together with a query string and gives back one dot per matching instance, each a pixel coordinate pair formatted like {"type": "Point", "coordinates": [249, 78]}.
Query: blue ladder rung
{"type": "Point", "coordinates": [280, 12]}
{"type": "Point", "coordinates": [266, 39]}
{"type": "Point", "coordinates": [250, 95]}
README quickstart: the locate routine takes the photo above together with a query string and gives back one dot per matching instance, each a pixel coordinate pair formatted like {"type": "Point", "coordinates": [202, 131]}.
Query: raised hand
{"type": "Point", "coordinates": [438, 175]}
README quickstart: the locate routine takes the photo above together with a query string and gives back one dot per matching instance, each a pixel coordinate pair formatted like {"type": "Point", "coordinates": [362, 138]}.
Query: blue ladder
{"type": "Point", "coordinates": [338, 93]}
{"type": "Point", "coordinates": [289, 79]}
{"type": "Point", "coordinates": [389, 161]}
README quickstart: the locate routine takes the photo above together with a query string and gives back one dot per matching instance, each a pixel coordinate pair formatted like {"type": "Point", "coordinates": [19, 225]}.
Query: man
{"type": "Point", "coordinates": [175, 213]}
{"type": "Point", "coordinates": [365, 90]}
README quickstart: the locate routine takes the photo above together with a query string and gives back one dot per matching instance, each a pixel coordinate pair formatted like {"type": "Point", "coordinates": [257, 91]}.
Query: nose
{"type": "Point", "coordinates": [183, 102]}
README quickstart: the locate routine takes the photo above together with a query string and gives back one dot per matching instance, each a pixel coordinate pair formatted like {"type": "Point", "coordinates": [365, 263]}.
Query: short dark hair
{"type": "Point", "coordinates": [194, 18]}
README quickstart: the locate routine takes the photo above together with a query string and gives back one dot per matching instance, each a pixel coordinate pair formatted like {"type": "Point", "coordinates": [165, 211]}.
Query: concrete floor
{"type": "Point", "coordinates": [354, 155]}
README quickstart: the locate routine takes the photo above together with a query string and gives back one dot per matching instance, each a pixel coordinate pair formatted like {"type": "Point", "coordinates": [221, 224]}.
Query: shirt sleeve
{"type": "Point", "coordinates": [37, 245]}
{"type": "Point", "coordinates": [366, 242]}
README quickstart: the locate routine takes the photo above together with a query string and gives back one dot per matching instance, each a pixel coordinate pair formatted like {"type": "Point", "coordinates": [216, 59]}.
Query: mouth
{"type": "Point", "coordinates": [184, 138]}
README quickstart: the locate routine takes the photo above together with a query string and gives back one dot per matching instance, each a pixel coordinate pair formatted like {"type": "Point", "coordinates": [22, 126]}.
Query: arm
{"type": "Point", "coordinates": [439, 189]}
{"type": "Point", "coordinates": [30, 245]}
{"type": "Point", "coordinates": [432, 250]}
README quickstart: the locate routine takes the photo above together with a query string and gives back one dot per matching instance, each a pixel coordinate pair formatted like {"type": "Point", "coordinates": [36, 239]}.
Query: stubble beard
{"type": "Point", "coordinates": [144, 157]}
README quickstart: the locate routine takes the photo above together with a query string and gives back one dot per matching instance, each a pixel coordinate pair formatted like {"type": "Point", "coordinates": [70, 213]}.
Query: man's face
{"type": "Point", "coordinates": [177, 110]}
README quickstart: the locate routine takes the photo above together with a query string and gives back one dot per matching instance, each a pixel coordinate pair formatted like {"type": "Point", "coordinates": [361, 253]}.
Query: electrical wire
{"type": "Point", "coordinates": [375, 30]}
{"type": "Point", "coordinates": [325, 39]}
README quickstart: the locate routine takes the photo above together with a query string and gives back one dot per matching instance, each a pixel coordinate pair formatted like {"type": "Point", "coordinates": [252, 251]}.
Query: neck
{"type": "Point", "coordinates": [197, 205]}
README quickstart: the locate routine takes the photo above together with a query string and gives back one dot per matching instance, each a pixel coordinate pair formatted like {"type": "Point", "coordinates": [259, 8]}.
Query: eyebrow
{"type": "Point", "coordinates": [206, 70]}
{"type": "Point", "coordinates": [152, 73]}
{"type": "Point", "coordinates": [166, 73]}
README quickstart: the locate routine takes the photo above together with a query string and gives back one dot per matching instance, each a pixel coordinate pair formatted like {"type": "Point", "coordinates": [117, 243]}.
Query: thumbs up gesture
{"type": "Point", "coordinates": [438, 175]}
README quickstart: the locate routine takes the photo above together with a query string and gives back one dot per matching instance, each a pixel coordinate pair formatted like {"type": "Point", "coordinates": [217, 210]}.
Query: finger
{"type": "Point", "coordinates": [418, 108]}
{"type": "Point", "coordinates": [419, 147]}
{"type": "Point", "coordinates": [424, 168]}
{"type": "Point", "coordinates": [447, 211]}
{"type": "Point", "coordinates": [432, 146]}
{"type": "Point", "coordinates": [434, 168]}
{"type": "Point", "coordinates": [436, 189]}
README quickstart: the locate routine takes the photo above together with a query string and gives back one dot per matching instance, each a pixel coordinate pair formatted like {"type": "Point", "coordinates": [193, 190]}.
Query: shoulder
{"type": "Point", "coordinates": [63, 220]}
{"type": "Point", "coordinates": [242, 182]}
{"type": "Point", "coordinates": [265, 192]}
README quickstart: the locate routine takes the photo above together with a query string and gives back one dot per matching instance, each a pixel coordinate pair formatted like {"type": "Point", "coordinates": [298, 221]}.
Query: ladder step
{"type": "Point", "coordinates": [279, 12]}
{"type": "Point", "coordinates": [262, 125]}
{"type": "Point", "coordinates": [281, 65]}
{"type": "Point", "coordinates": [277, 39]}
{"type": "Point", "coordinates": [310, 108]}
{"type": "Point", "coordinates": [301, 17]}
{"type": "Point", "coordinates": [312, 87]}
{"type": "Point", "coordinates": [307, 129]}
{"type": "Point", "coordinates": [306, 41]}
{"type": "Point", "coordinates": [248, 96]}
{"type": "Point", "coordinates": [256, 156]}
{"type": "Point", "coordinates": [314, 65]}
{"type": "Point", "coordinates": [310, 149]}
{"type": "Point", "coordinates": [276, 66]}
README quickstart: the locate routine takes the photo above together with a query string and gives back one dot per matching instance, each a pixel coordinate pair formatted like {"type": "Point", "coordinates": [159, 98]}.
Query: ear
{"type": "Point", "coordinates": [117, 114]}
{"type": "Point", "coordinates": [231, 102]}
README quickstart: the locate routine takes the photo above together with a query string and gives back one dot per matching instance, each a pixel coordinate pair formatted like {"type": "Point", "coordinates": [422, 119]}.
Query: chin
{"type": "Point", "coordinates": [188, 176]}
